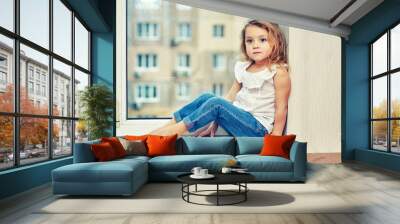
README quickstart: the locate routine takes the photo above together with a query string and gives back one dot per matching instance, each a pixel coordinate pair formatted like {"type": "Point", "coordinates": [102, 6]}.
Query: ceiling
{"type": "Point", "coordinates": [326, 16]}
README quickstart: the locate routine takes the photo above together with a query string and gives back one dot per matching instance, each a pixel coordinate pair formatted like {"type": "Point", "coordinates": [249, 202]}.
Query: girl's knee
{"type": "Point", "coordinates": [216, 101]}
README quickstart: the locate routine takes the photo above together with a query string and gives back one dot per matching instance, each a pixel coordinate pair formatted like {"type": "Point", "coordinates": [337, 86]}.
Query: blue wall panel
{"type": "Point", "coordinates": [356, 84]}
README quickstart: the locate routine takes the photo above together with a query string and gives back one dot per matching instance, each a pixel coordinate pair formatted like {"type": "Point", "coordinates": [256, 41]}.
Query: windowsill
{"type": "Point", "coordinates": [25, 167]}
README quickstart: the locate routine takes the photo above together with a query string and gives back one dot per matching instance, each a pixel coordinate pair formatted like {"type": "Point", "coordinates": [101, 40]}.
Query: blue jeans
{"type": "Point", "coordinates": [207, 108]}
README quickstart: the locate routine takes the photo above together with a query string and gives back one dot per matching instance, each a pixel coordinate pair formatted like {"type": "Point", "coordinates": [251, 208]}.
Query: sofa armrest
{"type": "Point", "coordinates": [83, 152]}
{"type": "Point", "coordinates": [298, 155]}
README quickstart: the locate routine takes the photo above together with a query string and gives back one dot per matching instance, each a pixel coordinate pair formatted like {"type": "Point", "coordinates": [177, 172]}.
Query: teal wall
{"type": "Point", "coordinates": [99, 15]}
{"type": "Point", "coordinates": [355, 90]}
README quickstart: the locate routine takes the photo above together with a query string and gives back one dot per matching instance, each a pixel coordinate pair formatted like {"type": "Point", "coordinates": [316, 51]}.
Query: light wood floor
{"type": "Point", "coordinates": [378, 188]}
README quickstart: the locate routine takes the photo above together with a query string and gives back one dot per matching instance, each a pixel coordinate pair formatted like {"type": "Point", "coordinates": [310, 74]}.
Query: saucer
{"type": "Point", "coordinates": [208, 176]}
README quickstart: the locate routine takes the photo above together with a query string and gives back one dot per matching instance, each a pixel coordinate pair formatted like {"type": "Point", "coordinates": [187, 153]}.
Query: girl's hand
{"type": "Point", "coordinates": [207, 130]}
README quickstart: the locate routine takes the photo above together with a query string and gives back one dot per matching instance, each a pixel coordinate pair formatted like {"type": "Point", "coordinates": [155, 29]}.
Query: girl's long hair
{"type": "Point", "coordinates": [278, 54]}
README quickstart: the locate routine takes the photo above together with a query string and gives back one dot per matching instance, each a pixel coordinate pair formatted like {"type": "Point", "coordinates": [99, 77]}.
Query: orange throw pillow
{"type": "Point", "coordinates": [116, 145]}
{"type": "Point", "coordinates": [103, 152]}
{"type": "Point", "coordinates": [136, 137]}
{"type": "Point", "coordinates": [277, 145]}
{"type": "Point", "coordinates": [161, 145]}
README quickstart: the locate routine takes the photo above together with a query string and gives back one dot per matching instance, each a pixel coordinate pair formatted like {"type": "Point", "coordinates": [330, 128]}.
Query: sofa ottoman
{"type": "Point", "coordinates": [118, 177]}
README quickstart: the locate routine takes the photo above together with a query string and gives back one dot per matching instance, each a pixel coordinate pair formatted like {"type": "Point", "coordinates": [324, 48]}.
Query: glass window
{"type": "Point", "coordinates": [379, 97]}
{"type": "Point", "coordinates": [6, 75]}
{"type": "Point", "coordinates": [147, 31]}
{"type": "Point", "coordinates": [34, 144]}
{"type": "Point", "coordinates": [81, 131]}
{"type": "Point", "coordinates": [379, 135]}
{"type": "Point", "coordinates": [218, 30]}
{"type": "Point", "coordinates": [62, 72]}
{"type": "Point", "coordinates": [395, 47]}
{"type": "Point", "coordinates": [218, 89]}
{"type": "Point", "coordinates": [395, 136]}
{"type": "Point", "coordinates": [218, 61]}
{"type": "Point", "coordinates": [35, 21]}
{"type": "Point", "coordinates": [31, 57]}
{"type": "Point", "coordinates": [7, 14]}
{"type": "Point", "coordinates": [81, 45]}
{"type": "Point", "coordinates": [81, 82]}
{"type": "Point", "coordinates": [62, 138]}
{"type": "Point", "coordinates": [6, 142]}
{"type": "Point", "coordinates": [184, 31]}
{"type": "Point", "coordinates": [379, 56]}
{"type": "Point", "coordinates": [383, 137]}
{"type": "Point", "coordinates": [62, 29]}
{"type": "Point", "coordinates": [395, 95]}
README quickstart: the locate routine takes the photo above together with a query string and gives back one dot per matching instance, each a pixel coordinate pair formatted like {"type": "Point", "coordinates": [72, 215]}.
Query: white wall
{"type": "Point", "coordinates": [315, 101]}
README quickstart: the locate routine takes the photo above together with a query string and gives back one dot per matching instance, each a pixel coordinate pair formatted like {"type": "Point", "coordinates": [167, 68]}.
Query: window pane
{"type": "Point", "coordinates": [379, 55]}
{"type": "Point", "coordinates": [35, 21]}
{"type": "Point", "coordinates": [6, 142]}
{"type": "Point", "coordinates": [33, 139]}
{"type": "Point", "coordinates": [379, 135]}
{"type": "Point", "coordinates": [395, 138]}
{"type": "Point", "coordinates": [395, 47]}
{"type": "Point", "coordinates": [62, 89]}
{"type": "Point", "coordinates": [62, 29]}
{"type": "Point", "coordinates": [81, 45]}
{"type": "Point", "coordinates": [62, 138]}
{"type": "Point", "coordinates": [379, 97]}
{"type": "Point", "coordinates": [6, 74]}
{"type": "Point", "coordinates": [7, 14]}
{"type": "Point", "coordinates": [34, 72]}
{"type": "Point", "coordinates": [395, 94]}
{"type": "Point", "coordinates": [81, 81]}
{"type": "Point", "coordinates": [81, 131]}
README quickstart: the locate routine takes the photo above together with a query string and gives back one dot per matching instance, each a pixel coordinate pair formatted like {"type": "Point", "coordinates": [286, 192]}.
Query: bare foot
{"type": "Point", "coordinates": [179, 128]}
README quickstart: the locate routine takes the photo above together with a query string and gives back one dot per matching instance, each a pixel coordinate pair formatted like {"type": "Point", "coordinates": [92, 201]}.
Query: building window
{"type": "Point", "coordinates": [385, 91]}
{"type": "Point", "coordinates": [184, 31]}
{"type": "Point", "coordinates": [146, 62]}
{"type": "Point", "coordinates": [30, 73]}
{"type": "Point", "coordinates": [3, 78]}
{"type": "Point", "coordinates": [44, 91]}
{"type": "Point", "coordinates": [183, 90]}
{"type": "Point", "coordinates": [146, 93]}
{"type": "Point", "coordinates": [219, 61]}
{"type": "Point", "coordinates": [35, 54]}
{"type": "Point", "coordinates": [147, 31]}
{"type": "Point", "coordinates": [218, 89]}
{"type": "Point", "coordinates": [183, 62]}
{"type": "Point", "coordinates": [218, 31]}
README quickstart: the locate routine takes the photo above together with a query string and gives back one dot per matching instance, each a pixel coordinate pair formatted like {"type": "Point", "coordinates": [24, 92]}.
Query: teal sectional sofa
{"type": "Point", "coordinates": [125, 176]}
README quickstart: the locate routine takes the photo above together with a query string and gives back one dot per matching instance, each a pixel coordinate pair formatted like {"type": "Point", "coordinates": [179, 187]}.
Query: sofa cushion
{"type": "Point", "coordinates": [185, 163]}
{"type": "Point", "coordinates": [257, 163]}
{"type": "Point", "coordinates": [111, 171]}
{"type": "Point", "coordinates": [83, 152]}
{"type": "Point", "coordinates": [103, 152]}
{"type": "Point", "coordinates": [206, 145]}
{"type": "Point", "coordinates": [249, 145]}
{"type": "Point", "coordinates": [116, 145]}
{"type": "Point", "coordinates": [277, 145]}
{"type": "Point", "coordinates": [161, 145]}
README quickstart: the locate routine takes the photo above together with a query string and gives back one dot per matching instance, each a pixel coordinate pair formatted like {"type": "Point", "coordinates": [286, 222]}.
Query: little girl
{"type": "Point", "coordinates": [257, 102]}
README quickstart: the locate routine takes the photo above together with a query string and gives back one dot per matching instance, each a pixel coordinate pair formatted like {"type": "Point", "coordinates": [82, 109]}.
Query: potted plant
{"type": "Point", "coordinates": [97, 104]}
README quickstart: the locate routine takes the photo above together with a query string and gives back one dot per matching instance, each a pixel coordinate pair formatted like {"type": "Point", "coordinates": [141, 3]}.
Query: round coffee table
{"type": "Point", "coordinates": [238, 179]}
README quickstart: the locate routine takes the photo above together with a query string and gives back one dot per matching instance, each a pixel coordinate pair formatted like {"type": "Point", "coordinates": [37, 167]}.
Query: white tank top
{"type": "Point", "coordinates": [257, 94]}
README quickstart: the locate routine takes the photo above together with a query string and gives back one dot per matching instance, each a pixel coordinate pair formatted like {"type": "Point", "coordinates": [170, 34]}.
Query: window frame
{"type": "Point", "coordinates": [16, 115]}
{"type": "Point", "coordinates": [388, 74]}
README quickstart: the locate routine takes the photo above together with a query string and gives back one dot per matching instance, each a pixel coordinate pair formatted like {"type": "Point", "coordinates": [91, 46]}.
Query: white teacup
{"type": "Point", "coordinates": [196, 170]}
{"type": "Point", "coordinates": [226, 170]}
{"type": "Point", "coordinates": [203, 172]}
